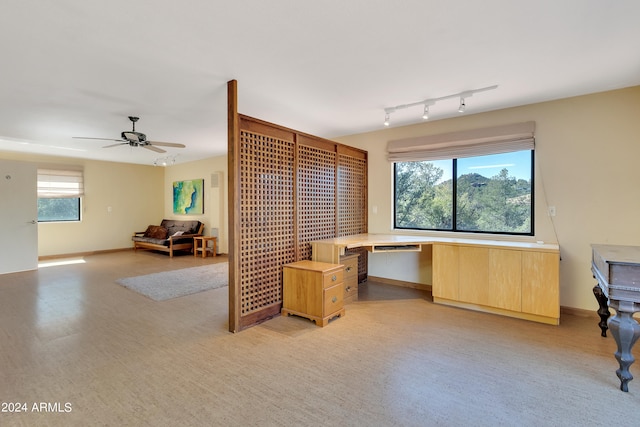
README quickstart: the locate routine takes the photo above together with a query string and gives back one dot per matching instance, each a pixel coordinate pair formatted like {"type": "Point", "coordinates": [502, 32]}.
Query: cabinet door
{"type": "Point", "coordinates": [540, 284]}
{"type": "Point", "coordinates": [505, 279]}
{"type": "Point", "coordinates": [474, 275]}
{"type": "Point", "coordinates": [445, 272]}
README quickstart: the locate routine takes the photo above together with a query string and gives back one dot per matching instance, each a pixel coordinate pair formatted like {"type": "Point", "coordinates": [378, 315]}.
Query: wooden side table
{"type": "Point", "coordinates": [200, 243]}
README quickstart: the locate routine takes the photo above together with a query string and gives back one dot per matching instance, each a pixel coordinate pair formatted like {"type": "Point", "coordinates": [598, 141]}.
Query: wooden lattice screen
{"type": "Point", "coordinates": [267, 238]}
{"type": "Point", "coordinates": [352, 202]}
{"type": "Point", "coordinates": [316, 197]}
{"type": "Point", "coordinates": [286, 189]}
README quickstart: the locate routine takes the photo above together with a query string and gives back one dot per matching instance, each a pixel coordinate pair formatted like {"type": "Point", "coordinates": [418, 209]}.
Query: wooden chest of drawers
{"type": "Point", "coordinates": [314, 290]}
{"type": "Point", "coordinates": [350, 263]}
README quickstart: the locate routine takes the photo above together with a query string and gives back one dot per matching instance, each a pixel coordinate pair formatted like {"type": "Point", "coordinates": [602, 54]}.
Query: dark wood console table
{"type": "Point", "coordinates": [617, 270]}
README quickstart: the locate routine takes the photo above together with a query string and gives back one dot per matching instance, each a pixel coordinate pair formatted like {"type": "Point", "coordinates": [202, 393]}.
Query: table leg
{"type": "Point", "coordinates": [625, 331]}
{"type": "Point", "coordinates": [603, 311]}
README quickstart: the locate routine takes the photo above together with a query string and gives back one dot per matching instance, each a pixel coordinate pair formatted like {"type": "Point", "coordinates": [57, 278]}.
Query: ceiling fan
{"type": "Point", "coordinates": [137, 139]}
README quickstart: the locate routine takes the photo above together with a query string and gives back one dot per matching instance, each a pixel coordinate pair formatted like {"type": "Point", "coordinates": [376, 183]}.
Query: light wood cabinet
{"type": "Point", "coordinates": [314, 290]}
{"type": "Point", "coordinates": [350, 263]}
{"type": "Point", "coordinates": [505, 279]}
{"type": "Point", "coordinates": [474, 278]}
{"type": "Point", "coordinates": [513, 282]}
{"type": "Point", "coordinates": [540, 289]}
{"type": "Point", "coordinates": [445, 272]}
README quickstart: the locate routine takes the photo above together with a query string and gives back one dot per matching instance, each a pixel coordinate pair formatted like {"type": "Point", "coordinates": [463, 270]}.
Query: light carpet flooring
{"type": "Point", "coordinates": [73, 339]}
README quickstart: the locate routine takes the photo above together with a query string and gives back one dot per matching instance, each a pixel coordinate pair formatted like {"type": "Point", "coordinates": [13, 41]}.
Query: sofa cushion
{"type": "Point", "coordinates": [156, 232]}
{"type": "Point", "coordinates": [173, 225]}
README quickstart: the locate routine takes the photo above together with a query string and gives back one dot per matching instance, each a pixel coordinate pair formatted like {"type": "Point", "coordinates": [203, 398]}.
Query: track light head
{"type": "Point", "coordinates": [425, 114]}
{"type": "Point", "coordinates": [462, 105]}
{"type": "Point", "coordinates": [386, 119]}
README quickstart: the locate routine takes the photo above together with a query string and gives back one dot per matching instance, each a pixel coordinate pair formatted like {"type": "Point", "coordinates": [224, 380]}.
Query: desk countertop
{"type": "Point", "coordinates": [372, 239]}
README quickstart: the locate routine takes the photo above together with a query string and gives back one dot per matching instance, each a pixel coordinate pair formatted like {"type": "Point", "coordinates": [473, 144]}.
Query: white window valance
{"type": "Point", "coordinates": [469, 143]}
{"type": "Point", "coordinates": [54, 183]}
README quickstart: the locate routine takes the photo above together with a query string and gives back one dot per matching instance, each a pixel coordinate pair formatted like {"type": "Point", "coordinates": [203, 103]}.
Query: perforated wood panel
{"type": "Point", "coordinates": [316, 197]}
{"type": "Point", "coordinates": [351, 199]}
{"type": "Point", "coordinates": [352, 204]}
{"type": "Point", "coordinates": [283, 193]}
{"type": "Point", "coordinates": [267, 238]}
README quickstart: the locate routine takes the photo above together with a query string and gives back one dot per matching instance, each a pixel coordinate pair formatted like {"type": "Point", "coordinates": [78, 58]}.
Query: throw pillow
{"type": "Point", "coordinates": [156, 232]}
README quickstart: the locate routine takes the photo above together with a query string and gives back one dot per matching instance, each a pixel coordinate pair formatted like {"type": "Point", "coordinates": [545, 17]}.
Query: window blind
{"type": "Point", "coordinates": [470, 143]}
{"type": "Point", "coordinates": [60, 183]}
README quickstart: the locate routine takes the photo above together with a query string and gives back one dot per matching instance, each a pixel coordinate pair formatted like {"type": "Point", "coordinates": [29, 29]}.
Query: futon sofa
{"type": "Point", "coordinates": [171, 235]}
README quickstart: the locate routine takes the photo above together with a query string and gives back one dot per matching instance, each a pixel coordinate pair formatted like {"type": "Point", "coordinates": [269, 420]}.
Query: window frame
{"type": "Point", "coordinates": [454, 178]}
{"type": "Point", "coordinates": [61, 183]}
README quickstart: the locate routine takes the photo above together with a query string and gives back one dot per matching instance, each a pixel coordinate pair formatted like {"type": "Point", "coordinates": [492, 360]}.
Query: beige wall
{"type": "Point", "coordinates": [134, 193]}
{"type": "Point", "coordinates": [138, 196]}
{"type": "Point", "coordinates": [215, 199]}
{"type": "Point", "coordinates": [587, 151]}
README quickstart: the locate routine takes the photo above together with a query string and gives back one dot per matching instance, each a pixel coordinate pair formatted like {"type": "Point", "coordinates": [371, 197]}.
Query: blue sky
{"type": "Point", "coordinates": [517, 163]}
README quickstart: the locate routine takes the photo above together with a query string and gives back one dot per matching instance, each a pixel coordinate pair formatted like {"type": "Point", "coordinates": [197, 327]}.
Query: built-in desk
{"type": "Point", "coordinates": [516, 279]}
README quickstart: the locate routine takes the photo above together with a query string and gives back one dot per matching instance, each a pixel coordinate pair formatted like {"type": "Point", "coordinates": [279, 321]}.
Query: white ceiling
{"type": "Point", "coordinates": [329, 68]}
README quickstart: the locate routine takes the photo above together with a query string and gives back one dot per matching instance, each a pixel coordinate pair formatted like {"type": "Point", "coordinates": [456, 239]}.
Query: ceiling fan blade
{"type": "Point", "coordinates": [167, 144]}
{"type": "Point", "coordinates": [115, 145]}
{"type": "Point", "coordinates": [101, 139]}
{"type": "Point", "coordinates": [152, 148]}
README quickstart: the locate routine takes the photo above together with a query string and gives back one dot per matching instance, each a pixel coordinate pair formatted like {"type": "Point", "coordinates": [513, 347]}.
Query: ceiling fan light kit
{"type": "Point", "coordinates": [165, 161]}
{"type": "Point", "coordinates": [137, 139]}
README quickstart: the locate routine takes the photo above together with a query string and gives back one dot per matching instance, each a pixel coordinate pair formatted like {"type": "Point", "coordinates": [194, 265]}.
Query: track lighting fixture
{"type": "Point", "coordinates": [428, 102]}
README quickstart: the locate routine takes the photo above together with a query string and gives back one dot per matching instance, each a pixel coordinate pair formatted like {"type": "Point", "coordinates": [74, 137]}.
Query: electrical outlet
{"type": "Point", "coordinates": [552, 211]}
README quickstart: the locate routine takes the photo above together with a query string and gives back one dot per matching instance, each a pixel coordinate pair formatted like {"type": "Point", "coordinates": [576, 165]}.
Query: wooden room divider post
{"type": "Point", "coordinates": [233, 166]}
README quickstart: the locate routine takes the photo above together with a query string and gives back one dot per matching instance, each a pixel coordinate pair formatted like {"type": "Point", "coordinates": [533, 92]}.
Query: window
{"type": "Point", "coordinates": [491, 194]}
{"type": "Point", "coordinates": [477, 181]}
{"type": "Point", "coordinates": [50, 210]}
{"type": "Point", "coordinates": [59, 195]}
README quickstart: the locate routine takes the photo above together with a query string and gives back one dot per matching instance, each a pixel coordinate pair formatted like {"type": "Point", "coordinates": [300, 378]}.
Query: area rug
{"type": "Point", "coordinates": [178, 283]}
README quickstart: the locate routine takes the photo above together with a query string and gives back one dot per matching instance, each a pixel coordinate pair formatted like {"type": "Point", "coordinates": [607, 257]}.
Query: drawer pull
{"type": "Point", "coordinates": [333, 278]}
{"type": "Point", "coordinates": [348, 289]}
{"type": "Point", "coordinates": [349, 269]}
{"type": "Point", "coordinates": [334, 299]}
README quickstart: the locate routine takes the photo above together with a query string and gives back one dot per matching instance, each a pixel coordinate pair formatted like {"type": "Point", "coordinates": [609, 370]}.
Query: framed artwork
{"type": "Point", "coordinates": [188, 197]}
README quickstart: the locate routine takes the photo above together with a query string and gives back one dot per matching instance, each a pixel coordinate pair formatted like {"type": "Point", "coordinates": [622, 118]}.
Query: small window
{"type": "Point", "coordinates": [50, 210]}
{"type": "Point", "coordinates": [59, 195]}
